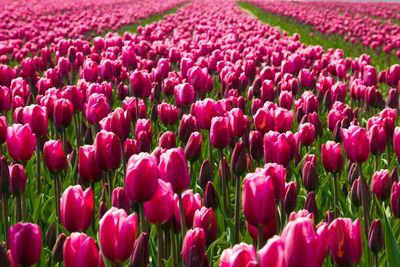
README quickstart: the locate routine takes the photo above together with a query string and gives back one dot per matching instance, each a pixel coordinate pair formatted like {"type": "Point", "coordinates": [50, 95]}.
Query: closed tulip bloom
{"type": "Point", "coordinates": [272, 254]}
{"type": "Point", "coordinates": [187, 125]}
{"type": "Point", "coordinates": [220, 136]}
{"type": "Point", "coordinates": [141, 177]}
{"type": "Point", "coordinates": [237, 122]}
{"type": "Point", "coordinates": [167, 140]}
{"type": "Point", "coordinates": [375, 236]}
{"type": "Point", "coordinates": [36, 117]}
{"type": "Point", "coordinates": [304, 246]}
{"type": "Point", "coordinates": [90, 71]}
{"type": "Point", "coordinates": [21, 142]}
{"type": "Point", "coordinates": [205, 218]}
{"type": "Point", "coordinates": [184, 94]}
{"type": "Point", "coordinates": [370, 76]}
{"type": "Point", "coordinates": [143, 125]}
{"type": "Point", "coordinates": [289, 201]}
{"type": "Point", "coordinates": [258, 199]}
{"type": "Point", "coordinates": [117, 234]}
{"type": "Point", "coordinates": [17, 179]}
{"type": "Point", "coordinates": [3, 129]}
{"type": "Point", "coordinates": [332, 157]}
{"type": "Point", "coordinates": [240, 255]}
{"type": "Point", "coordinates": [4, 176]}
{"type": "Point", "coordinates": [159, 209]}
{"type": "Point", "coordinates": [173, 169]}
{"type": "Point", "coordinates": [191, 202]}
{"type": "Point", "coordinates": [97, 108]}
{"type": "Point", "coordinates": [264, 120]}
{"type": "Point", "coordinates": [130, 147]}
{"type": "Point", "coordinates": [5, 98]}
{"type": "Point", "coordinates": [76, 208]}
{"type": "Point", "coordinates": [120, 200]}
{"type": "Point", "coordinates": [356, 143]}
{"type": "Point", "coordinates": [256, 145]}
{"type": "Point", "coordinates": [140, 253]}
{"type": "Point", "coordinates": [193, 146]}
{"type": "Point", "coordinates": [54, 156]}
{"type": "Point", "coordinates": [238, 159]}
{"type": "Point", "coordinates": [204, 111]}
{"type": "Point", "coordinates": [143, 142]}
{"type": "Point", "coordinates": [210, 196]}
{"type": "Point", "coordinates": [277, 148]}
{"type": "Point", "coordinates": [381, 184]}
{"type": "Point", "coordinates": [88, 168]}
{"type": "Point", "coordinates": [25, 243]}
{"type": "Point", "coordinates": [396, 142]}
{"type": "Point", "coordinates": [167, 113]}
{"type": "Point", "coordinates": [306, 134]}
{"type": "Point", "coordinates": [141, 84]}
{"type": "Point", "coordinates": [80, 250]}
{"type": "Point", "coordinates": [377, 139]}
{"type": "Point", "coordinates": [63, 113]}
{"type": "Point", "coordinates": [309, 176]}
{"type": "Point", "coordinates": [345, 242]}
{"type": "Point", "coordinates": [107, 150]}
{"type": "Point", "coordinates": [194, 248]}
{"type": "Point", "coordinates": [395, 199]}
{"type": "Point", "coordinates": [117, 122]}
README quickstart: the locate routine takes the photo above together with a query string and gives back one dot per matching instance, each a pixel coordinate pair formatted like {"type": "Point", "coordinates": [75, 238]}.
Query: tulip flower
{"type": "Point", "coordinates": [356, 143]}
{"type": "Point", "coordinates": [167, 140]}
{"type": "Point", "coordinates": [306, 134]}
{"type": "Point", "coordinates": [107, 150]}
{"type": "Point", "coordinates": [289, 200]}
{"type": "Point", "coordinates": [394, 199]}
{"type": "Point", "coordinates": [345, 241]}
{"type": "Point", "coordinates": [88, 168]}
{"type": "Point", "coordinates": [210, 196]}
{"type": "Point", "coordinates": [184, 94]}
{"type": "Point", "coordinates": [63, 112]}
{"type": "Point", "coordinates": [117, 234]}
{"type": "Point", "coordinates": [332, 157]}
{"type": "Point", "coordinates": [140, 253]}
{"type": "Point", "coordinates": [120, 200]}
{"type": "Point", "coordinates": [205, 218]}
{"type": "Point", "coordinates": [194, 248]}
{"type": "Point", "coordinates": [80, 250]}
{"type": "Point", "coordinates": [204, 111]}
{"type": "Point", "coordinates": [190, 203]}
{"type": "Point", "coordinates": [375, 237]}
{"type": "Point", "coordinates": [377, 139]}
{"type": "Point", "coordinates": [220, 132]}
{"type": "Point", "coordinates": [187, 125]}
{"type": "Point", "coordinates": [21, 142]}
{"type": "Point", "coordinates": [36, 117]}
{"type": "Point", "coordinates": [278, 147]}
{"type": "Point", "coordinates": [141, 84]}
{"type": "Point", "coordinates": [25, 243]}
{"type": "Point", "coordinates": [17, 179]}
{"type": "Point", "coordinates": [256, 145]}
{"type": "Point", "coordinates": [304, 246]}
{"type": "Point", "coordinates": [97, 108]}
{"type": "Point", "coordinates": [54, 156]}
{"type": "Point", "coordinates": [240, 255]}
{"type": "Point", "coordinates": [117, 122]}
{"type": "Point", "coordinates": [159, 209]}
{"type": "Point", "coordinates": [381, 184]}
{"type": "Point", "coordinates": [167, 113]}
{"type": "Point", "coordinates": [193, 146]}
{"type": "Point", "coordinates": [272, 254]}
{"type": "Point", "coordinates": [76, 208]}
{"type": "Point", "coordinates": [396, 142]}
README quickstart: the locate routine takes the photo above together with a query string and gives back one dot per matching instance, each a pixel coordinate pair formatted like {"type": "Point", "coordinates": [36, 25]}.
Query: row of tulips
{"type": "Point", "coordinates": [29, 28]}
{"type": "Point", "coordinates": [355, 21]}
{"type": "Point", "coordinates": [207, 133]}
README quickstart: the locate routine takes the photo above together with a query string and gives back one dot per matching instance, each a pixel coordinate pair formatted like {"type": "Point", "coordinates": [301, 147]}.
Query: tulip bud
{"type": "Point", "coordinates": [187, 125]}
{"type": "Point", "coordinates": [117, 234]}
{"type": "Point", "coordinates": [193, 146]}
{"type": "Point", "coordinates": [210, 196]}
{"type": "Point", "coordinates": [381, 184]}
{"type": "Point", "coordinates": [140, 253]}
{"type": "Point", "coordinates": [88, 168]}
{"type": "Point", "coordinates": [394, 175]}
{"type": "Point", "coordinates": [194, 248]}
{"type": "Point", "coordinates": [219, 132]}
{"type": "Point", "coordinates": [238, 160]}
{"type": "Point", "coordinates": [204, 218]}
{"type": "Point", "coordinates": [377, 139]}
{"type": "Point", "coordinates": [289, 200]}
{"type": "Point", "coordinates": [143, 142]}
{"type": "Point", "coordinates": [393, 99]}
{"type": "Point", "coordinates": [309, 176]}
{"type": "Point", "coordinates": [63, 113]}
{"type": "Point", "coordinates": [375, 236]}
{"type": "Point", "coordinates": [54, 156]}
{"type": "Point", "coordinates": [311, 204]}
{"type": "Point", "coordinates": [337, 132]}
{"type": "Point", "coordinates": [141, 166]}
{"type": "Point", "coordinates": [224, 164]}
{"type": "Point", "coordinates": [50, 236]}
{"type": "Point", "coordinates": [102, 209]}
{"type": "Point", "coordinates": [354, 194]}
{"type": "Point", "coordinates": [4, 175]}
{"type": "Point", "coordinates": [120, 200]}
{"type": "Point", "coordinates": [20, 236]}
{"type": "Point", "coordinates": [329, 217]}
{"type": "Point", "coordinates": [57, 252]}
{"type": "Point", "coordinates": [353, 173]}
{"type": "Point", "coordinates": [107, 150]}
{"type": "Point", "coordinates": [345, 241]}
{"type": "Point", "coordinates": [167, 140]}
{"type": "Point", "coordinates": [256, 145]}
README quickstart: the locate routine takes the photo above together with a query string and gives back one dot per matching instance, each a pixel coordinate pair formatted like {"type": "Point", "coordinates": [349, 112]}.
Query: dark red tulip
{"type": "Point", "coordinates": [396, 142]}
{"type": "Point", "coordinates": [332, 157]}
{"type": "Point", "coordinates": [4, 175]}
{"type": "Point", "coordinates": [88, 168]}
{"type": "Point", "coordinates": [3, 129]}
{"type": "Point", "coordinates": [167, 113]}
{"type": "Point", "coordinates": [345, 241]}
{"type": "Point", "coordinates": [117, 234]}
{"type": "Point", "coordinates": [289, 201]}
{"type": "Point", "coordinates": [107, 150]}
{"type": "Point", "coordinates": [63, 113]}
{"type": "Point", "coordinates": [142, 173]}
{"type": "Point", "coordinates": [76, 208]}
{"type": "Point", "coordinates": [25, 243]}
{"type": "Point", "coordinates": [375, 236]}
{"type": "Point", "coordinates": [167, 140]}
{"type": "Point", "coordinates": [80, 250]}
{"type": "Point", "coordinates": [187, 125]}
{"type": "Point", "coordinates": [394, 199]}
{"type": "Point", "coordinates": [54, 156]}
{"type": "Point", "coordinates": [219, 132]}
{"type": "Point", "coordinates": [238, 159]}
{"type": "Point", "coordinates": [17, 179]}
{"type": "Point", "coordinates": [193, 146]}
{"type": "Point", "coordinates": [140, 253]}
{"type": "Point", "coordinates": [21, 142]}
{"type": "Point", "coordinates": [141, 84]}
{"type": "Point", "coordinates": [256, 145]}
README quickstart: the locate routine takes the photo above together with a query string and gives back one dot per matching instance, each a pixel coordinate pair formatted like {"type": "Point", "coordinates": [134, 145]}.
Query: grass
{"type": "Point", "coordinates": [310, 36]}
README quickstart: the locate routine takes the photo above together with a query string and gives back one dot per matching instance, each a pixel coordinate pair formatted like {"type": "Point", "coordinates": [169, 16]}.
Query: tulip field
{"type": "Point", "coordinates": [199, 133]}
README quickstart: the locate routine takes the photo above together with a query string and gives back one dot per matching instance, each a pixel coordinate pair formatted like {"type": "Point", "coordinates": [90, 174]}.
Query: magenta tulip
{"type": "Point", "coordinates": [240, 255]}
{"type": "Point", "coordinates": [107, 150]}
{"type": "Point", "coordinates": [21, 142]}
{"type": "Point", "coordinates": [173, 169]}
{"type": "Point", "coordinates": [80, 250]}
{"type": "Point", "coordinates": [54, 156]}
{"type": "Point", "coordinates": [332, 157]}
{"type": "Point", "coordinates": [205, 218]}
{"type": "Point", "coordinates": [159, 209]}
{"type": "Point", "coordinates": [356, 143]}
{"type": "Point", "coordinates": [88, 168]}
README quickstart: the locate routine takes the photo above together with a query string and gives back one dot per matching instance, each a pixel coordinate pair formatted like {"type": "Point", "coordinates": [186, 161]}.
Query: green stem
{"type": "Point", "coordinates": [237, 209]}
{"type": "Point", "coordinates": [123, 158]}
{"type": "Point", "coordinates": [57, 201]}
{"type": "Point", "coordinates": [335, 190]}
{"type": "Point", "coordinates": [38, 168]}
{"type": "Point", "coordinates": [160, 244]}
{"type": "Point", "coordinates": [143, 223]}
{"type": "Point", "coordinates": [173, 244]}
{"type": "Point", "coordinates": [209, 149]}
{"type": "Point", "coordinates": [259, 237]}
{"type": "Point", "coordinates": [223, 181]}
{"type": "Point", "coordinates": [182, 216]}
{"type": "Point", "coordinates": [365, 206]}
{"type": "Point", "coordinates": [18, 209]}
{"type": "Point", "coordinates": [5, 215]}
